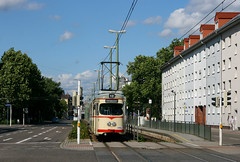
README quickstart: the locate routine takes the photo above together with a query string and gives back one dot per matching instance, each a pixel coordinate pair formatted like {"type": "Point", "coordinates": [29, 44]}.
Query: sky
{"type": "Point", "coordinates": [66, 38]}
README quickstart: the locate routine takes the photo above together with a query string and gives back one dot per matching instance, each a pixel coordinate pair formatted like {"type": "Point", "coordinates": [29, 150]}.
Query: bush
{"type": "Point", "coordinates": [83, 131]}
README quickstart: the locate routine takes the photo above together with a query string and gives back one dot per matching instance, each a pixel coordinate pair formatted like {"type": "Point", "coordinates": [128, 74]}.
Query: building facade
{"type": "Point", "coordinates": [205, 69]}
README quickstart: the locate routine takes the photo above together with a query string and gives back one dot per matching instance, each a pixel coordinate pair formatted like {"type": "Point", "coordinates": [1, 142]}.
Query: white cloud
{"type": "Point", "coordinates": [132, 23]}
{"type": "Point", "coordinates": [55, 17]}
{"type": "Point", "coordinates": [69, 81]}
{"type": "Point", "coordinates": [184, 19]}
{"type": "Point", "coordinates": [66, 36]}
{"type": "Point", "coordinates": [6, 5]}
{"type": "Point", "coordinates": [34, 6]}
{"type": "Point", "coordinates": [165, 33]}
{"type": "Point", "coordinates": [11, 4]}
{"type": "Point", "coordinates": [153, 20]}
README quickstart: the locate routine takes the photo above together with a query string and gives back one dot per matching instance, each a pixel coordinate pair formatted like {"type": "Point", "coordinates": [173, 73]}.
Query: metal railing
{"type": "Point", "coordinates": [203, 131]}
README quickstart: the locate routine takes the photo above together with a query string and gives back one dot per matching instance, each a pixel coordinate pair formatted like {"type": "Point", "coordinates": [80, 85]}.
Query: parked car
{"type": "Point", "coordinates": [55, 120]}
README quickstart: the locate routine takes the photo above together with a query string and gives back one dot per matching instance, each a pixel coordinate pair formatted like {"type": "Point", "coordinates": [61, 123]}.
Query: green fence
{"type": "Point", "coordinates": [202, 131]}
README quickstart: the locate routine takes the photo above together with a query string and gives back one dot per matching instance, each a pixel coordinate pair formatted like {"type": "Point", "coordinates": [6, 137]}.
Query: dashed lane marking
{"type": "Point", "coordinates": [24, 140]}
{"type": "Point", "coordinates": [4, 140]}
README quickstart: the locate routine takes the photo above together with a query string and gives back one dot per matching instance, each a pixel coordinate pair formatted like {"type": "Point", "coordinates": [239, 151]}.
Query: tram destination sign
{"type": "Point", "coordinates": [111, 100]}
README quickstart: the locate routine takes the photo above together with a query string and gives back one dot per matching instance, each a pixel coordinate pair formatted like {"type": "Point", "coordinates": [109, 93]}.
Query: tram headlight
{"type": "Point", "coordinates": [109, 123]}
{"type": "Point", "coordinates": [114, 124]}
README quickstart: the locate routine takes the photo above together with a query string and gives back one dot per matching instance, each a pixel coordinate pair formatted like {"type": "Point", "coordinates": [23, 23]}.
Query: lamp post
{"type": "Point", "coordinates": [174, 108]}
{"type": "Point", "coordinates": [150, 114]}
{"type": "Point", "coordinates": [117, 57]}
{"type": "Point", "coordinates": [110, 75]}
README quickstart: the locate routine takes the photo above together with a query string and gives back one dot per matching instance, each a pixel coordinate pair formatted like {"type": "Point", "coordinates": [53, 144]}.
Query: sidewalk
{"type": "Point", "coordinates": [85, 144]}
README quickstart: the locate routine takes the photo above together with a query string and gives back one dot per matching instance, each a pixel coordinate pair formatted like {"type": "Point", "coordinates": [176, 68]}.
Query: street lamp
{"type": "Point", "coordinates": [117, 58]}
{"type": "Point", "coordinates": [174, 107]}
{"type": "Point", "coordinates": [150, 114]}
{"type": "Point", "coordinates": [110, 76]}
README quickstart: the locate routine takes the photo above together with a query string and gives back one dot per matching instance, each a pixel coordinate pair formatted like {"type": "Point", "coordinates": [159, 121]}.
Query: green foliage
{"type": "Point", "coordinates": [83, 131]}
{"type": "Point", "coordinates": [146, 79]}
{"type": "Point", "coordinates": [22, 84]}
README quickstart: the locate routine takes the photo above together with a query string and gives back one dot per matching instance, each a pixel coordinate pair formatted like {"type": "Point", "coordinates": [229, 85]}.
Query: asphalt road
{"type": "Point", "coordinates": [42, 143]}
{"type": "Point", "coordinates": [39, 143]}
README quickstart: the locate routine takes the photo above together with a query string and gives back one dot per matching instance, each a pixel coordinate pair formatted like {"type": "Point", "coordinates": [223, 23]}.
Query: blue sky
{"type": "Point", "coordinates": [66, 38]}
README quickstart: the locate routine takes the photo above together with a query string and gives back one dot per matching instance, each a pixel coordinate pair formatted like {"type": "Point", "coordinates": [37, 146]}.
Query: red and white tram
{"type": "Point", "coordinates": [107, 113]}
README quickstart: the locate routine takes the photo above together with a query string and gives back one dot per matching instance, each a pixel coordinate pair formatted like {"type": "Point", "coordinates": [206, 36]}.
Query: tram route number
{"type": "Point", "coordinates": [111, 101]}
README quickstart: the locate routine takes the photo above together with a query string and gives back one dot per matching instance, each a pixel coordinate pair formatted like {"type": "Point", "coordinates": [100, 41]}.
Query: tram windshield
{"type": "Point", "coordinates": [111, 109]}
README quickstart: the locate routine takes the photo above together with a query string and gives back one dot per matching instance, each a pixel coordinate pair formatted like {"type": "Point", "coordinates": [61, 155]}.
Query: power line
{"type": "Point", "coordinates": [223, 8]}
{"type": "Point", "coordinates": [202, 19]}
{"type": "Point", "coordinates": [124, 25]}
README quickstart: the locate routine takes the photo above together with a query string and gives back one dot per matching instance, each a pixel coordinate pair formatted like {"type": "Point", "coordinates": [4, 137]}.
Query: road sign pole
{"type": "Point", "coordinates": [10, 115]}
{"type": "Point", "coordinates": [220, 120]}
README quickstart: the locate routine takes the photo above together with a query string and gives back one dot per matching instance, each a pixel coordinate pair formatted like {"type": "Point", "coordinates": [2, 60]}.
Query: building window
{"type": "Point", "coordinates": [235, 98]}
{"type": "Point", "coordinates": [200, 92]}
{"type": "Point", "coordinates": [229, 41]}
{"type": "Point", "coordinates": [224, 65]}
{"type": "Point", "coordinates": [204, 72]}
{"type": "Point", "coordinates": [209, 90]}
{"type": "Point", "coordinates": [218, 49]}
{"type": "Point", "coordinates": [218, 88]}
{"type": "Point", "coordinates": [204, 54]}
{"type": "Point", "coordinates": [213, 89]}
{"type": "Point", "coordinates": [223, 44]}
{"type": "Point", "coordinates": [218, 67]}
{"type": "Point", "coordinates": [224, 85]}
{"type": "Point", "coordinates": [235, 75]}
{"type": "Point", "coordinates": [204, 91]}
{"type": "Point", "coordinates": [195, 93]}
{"type": "Point", "coordinates": [195, 75]}
{"type": "Point", "coordinates": [230, 84]}
{"type": "Point", "coordinates": [235, 50]}
{"type": "Point", "coordinates": [230, 63]}
{"type": "Point", "coordinates": [208, 70]}
{"type": "Point", "coordinates": [213, 69]}
{"type": "Point", "coordinates": [200, 75]}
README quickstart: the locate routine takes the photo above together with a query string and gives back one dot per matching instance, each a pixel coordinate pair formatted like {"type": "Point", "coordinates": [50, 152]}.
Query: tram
{"type": "Point", "coordinates": [107, 113]}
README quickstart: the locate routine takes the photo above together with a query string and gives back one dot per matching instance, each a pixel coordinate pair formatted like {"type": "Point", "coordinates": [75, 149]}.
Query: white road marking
{"type": "Point", "coordinates": [47, 138]}
{"type": "Point", "coordinates": [223, 158]}
{"type": "Point", "coordinates": [7, 139]}
{"type": "Point", "coordinates": [30, 132]}
{"type": "Point", "coordinates": [24, 140]}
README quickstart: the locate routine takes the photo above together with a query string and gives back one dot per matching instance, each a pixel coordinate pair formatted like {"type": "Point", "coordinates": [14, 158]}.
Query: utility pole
{"type": "Point", "coordinates": [79, 112]}
{"type": "Point", "coordinates": [117, 57]}
{"type": "Point", "coordinates": [110, 71]}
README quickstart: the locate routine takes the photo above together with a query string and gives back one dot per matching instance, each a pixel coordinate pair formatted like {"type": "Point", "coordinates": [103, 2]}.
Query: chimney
{"type": "Point", "coordinates": [186, 43]}
{"type": "Point", "coordinates": [206, 29]}
{"type": "Point", "coordinates": [178, 49]}
{"type": "Point", "coordinates": [193, 39]}
{"type": "Point", "coordinates": [222, 18]}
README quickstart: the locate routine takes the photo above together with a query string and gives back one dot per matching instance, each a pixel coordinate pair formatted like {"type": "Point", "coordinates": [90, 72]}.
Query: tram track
{"type": "Point", "coordinates": [118, 158]}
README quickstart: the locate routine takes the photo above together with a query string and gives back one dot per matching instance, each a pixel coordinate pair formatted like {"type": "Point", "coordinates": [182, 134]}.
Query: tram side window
{"type": "Point", "coordinates": [111, 109]}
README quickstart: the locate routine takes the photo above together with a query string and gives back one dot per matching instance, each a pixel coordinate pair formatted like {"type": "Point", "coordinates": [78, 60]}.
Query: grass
{"type": "Point", "coordinates": [83, 131]}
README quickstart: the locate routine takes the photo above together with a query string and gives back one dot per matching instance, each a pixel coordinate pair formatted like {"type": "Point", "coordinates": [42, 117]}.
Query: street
{"type": "Point", "coordinates": [42, 143]}
{"type": "Point", "coordinates": [38, 143]}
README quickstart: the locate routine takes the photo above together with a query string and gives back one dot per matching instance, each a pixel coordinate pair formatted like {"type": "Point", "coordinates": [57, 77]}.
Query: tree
{"type": "Point", "coordinates": [146, 78]}
{"type": "Point", "coordinates": [22, 84]}
{"type": "Point", "coordinates": [145, 74]}
{"type": "Point", "coordinates": [19, 76]}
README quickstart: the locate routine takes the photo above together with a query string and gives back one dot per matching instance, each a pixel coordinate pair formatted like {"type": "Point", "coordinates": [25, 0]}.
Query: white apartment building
{"type": "Point", "coordinates": [205, 67]}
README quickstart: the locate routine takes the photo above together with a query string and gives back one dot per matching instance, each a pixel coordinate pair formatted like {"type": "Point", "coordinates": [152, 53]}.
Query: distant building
{"type": "Point", "coordinates": [204, 67]}
{"type": "Point", "coordinates": [67, 97]}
